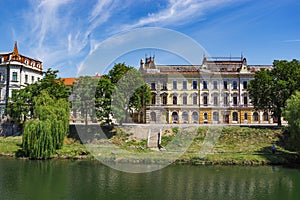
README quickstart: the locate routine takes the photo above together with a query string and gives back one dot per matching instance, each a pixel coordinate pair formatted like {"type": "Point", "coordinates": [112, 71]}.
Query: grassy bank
{"type": "Point", "coordinates": [232, 145]}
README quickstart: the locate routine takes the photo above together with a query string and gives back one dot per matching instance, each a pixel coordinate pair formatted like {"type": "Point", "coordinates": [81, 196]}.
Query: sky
{"type": "Point", "coordinates": [63, 34]}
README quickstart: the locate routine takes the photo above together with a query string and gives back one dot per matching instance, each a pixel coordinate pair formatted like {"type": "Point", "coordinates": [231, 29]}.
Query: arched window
{"type": "Point", "coordinates": [175, 117]}
{"type": "Point", "coordinates": [153, 116]}
{"type": "Point", "coordinates": [216, 116]}
{"type": "Point", "coordinates": [185, 117]}
{"type": "Point", "coordinates": [174, 100]}
{"type": "Point", "coordinates": [266, 117]}
{"type": "Point", "coordinates": [234, 116]}
{"type": "Point", "coordinates": [195, 99]}
{"type": "Point", "coordinates": [255, 117]}
{"type": "Point", "coordinates": [184, 100]}
{"type": "Point", "coordinates": [164, 100]}
{"type": "Point", "coordinates": [195, 117]}
{"type": "Point", "coordinates": [245, 116]}
{"type": "Point", "coordinates": [153, 100]}
{"type": "Point", "coordinates": [234, 85]}
{"type": "Point", "coordinates": [205, 116]}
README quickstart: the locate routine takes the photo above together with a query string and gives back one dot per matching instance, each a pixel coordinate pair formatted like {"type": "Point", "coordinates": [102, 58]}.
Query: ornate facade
{"type": "Point", "coordinates": [16, 71]}
{"type": "Point", "coordinates": [214, 92]}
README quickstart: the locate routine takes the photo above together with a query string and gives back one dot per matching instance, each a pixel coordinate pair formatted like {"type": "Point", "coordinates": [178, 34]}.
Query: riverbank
{"type": "Point", "coordinates": [234, 146]}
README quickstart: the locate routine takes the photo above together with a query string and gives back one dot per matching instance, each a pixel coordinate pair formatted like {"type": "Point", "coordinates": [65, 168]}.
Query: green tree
{"type": "Point", "coordinates": [103, 95]}
{"type": "Point", "coordinates": [270, 89]}
{"type": "Point", "coordinates": [46, 132]}
{"type": "Point", "coordinates": [22, 105]}
{"type": "Point", "coordinates": [123, 93]}
{"type": "Point", "coordinates": [117, 72]}
{"type": "Point", "coordinates": [83, 97]}
{"type": "Point", "coordinates": [292, 114]}
{"type": "Point", "coordinates": [140, 99]}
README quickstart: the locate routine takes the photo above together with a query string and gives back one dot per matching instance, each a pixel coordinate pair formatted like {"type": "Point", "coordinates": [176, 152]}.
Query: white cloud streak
{"type": "Point", "coordinates": [60, 35]}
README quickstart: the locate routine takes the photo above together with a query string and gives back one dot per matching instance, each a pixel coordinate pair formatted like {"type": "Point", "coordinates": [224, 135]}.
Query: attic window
{"type": "Point", "coordinates": [32, 64]}
{"type": "Point", "coordinates": [26, 61]}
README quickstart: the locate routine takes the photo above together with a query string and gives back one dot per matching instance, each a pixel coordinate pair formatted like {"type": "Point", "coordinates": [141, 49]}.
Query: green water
{"type": "Point", "coordinates": [63, 179]}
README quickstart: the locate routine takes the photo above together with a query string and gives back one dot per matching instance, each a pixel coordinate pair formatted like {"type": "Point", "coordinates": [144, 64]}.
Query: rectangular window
{"type": "Point", "coordinates": [205, 100]}
{"type": "Point", "coordinates": [235, 101]}
{"type": "Point", "coordinates": [26, 78]}
{"type": "Point", "coordinates": [245, 100]}
{"type": "Point", "coordinates": [165, 98]}
{"type": "Point", "coordinates": [32, 79]}
{"type": "Point", "coordinates": [195, 85]}
{"type": "Point", "coordinates": [234, 85]}
{"type": "Point", "coordinates": [152, 86]}
{"type": "Point", "coordinates": [204, 85]}
{"type": "Point", "coordinates": [38, 79]}
{"type": "Point", "coordinates": [174, 85]}
{"type": "Point", "coordinates": [215, 85]}
{"type": "Point", "coordinates": [184, 85]}
{"type": "Point", "coordinates": [195, 100]}
{"type": "Point", "coordinates": [15, 76]}
{"type": "Point", "coordinates": [184, 100]}
{"type": "Point", "coordinates": [226, 100]}
{"type": "Point", "coordinates": [164, 87]}
{"type": "Point", "coordinates": [225, 85]}
{"type": "Point", "coordinates": [215, 100]}
{"type": "Point", "coordinates": [245, 85]}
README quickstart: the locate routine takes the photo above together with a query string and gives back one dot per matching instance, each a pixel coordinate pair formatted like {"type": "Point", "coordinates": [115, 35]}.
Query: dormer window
{"type": "Point", "coordinates": [26, 61]}
{"type": "Point", "coordinates": [32, 64]}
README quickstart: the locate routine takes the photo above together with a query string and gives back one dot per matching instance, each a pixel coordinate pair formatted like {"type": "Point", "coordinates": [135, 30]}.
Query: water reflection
{"type": "Point", "coordinates": [22, 179]}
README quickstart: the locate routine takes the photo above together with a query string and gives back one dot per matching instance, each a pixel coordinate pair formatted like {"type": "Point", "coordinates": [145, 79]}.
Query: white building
{"type": "Point", "coordinates": [16, 71]}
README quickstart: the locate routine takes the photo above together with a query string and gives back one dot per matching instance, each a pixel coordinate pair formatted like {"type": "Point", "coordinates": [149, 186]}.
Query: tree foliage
{"type": "Point", "coordinates": [103, 99]}
{"type": "Point", "coordinates": [123, 94]}
{"type": "Point", "coordinates": [46, 133]}
{"type": "Point", "coordinates": [270, 89]}
{"type": "Point", "coordinates": [21, 104]}
{"type": "Point", "coordinates": [83, 97]}
{"type": "Point", "coordinates": [292, 114]}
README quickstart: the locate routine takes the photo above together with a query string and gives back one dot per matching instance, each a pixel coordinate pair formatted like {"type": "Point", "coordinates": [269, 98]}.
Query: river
{"type": "Point", "coordinates": [66, 179]}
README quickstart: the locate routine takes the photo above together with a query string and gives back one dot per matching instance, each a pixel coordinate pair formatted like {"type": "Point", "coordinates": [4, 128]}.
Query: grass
{"type": "Point", "coordinates": [235, 146]}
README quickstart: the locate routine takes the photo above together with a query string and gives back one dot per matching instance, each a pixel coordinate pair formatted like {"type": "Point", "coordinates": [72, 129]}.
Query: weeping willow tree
{"type": "Point", "coordinates": [46, 132]}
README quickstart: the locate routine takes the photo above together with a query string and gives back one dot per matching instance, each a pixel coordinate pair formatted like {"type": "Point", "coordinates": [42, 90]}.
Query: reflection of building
{"type": "Point", "coordinates": [16, 71]}
{"type": "Point", "coordinates": [214, 92]}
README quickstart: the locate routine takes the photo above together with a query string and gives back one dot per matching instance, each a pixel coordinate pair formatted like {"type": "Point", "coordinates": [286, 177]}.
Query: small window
{"type": "Point", "coordinates": [225, 99]}
{"type": "Point", "coordinates": [245, 100]}
{"type": "Point", "coordinates": [266, 117]}
{"type": "Point", "coordinates": [195, 85]}
{"type": "Point", "coordinates": [225, 85]}
{"type": "Point", "coordinates": [195, 99]}
{"type": "Point", "coordinates": [215, 85]}
{"type": "Point", "coordinates": [245, 85]}
{"type": "Point", "coordinates": [234, 85]}
{"type": "Point", "coordinates": [185, 116]}
{"type": "Point", "coordinates": [235, 101]}
{"type": "Point", "coordinates": [205, 100]}
{"type": "Point", "coordinates": [195, 117]}
{"type": "Point", "coordinates": [152, 86]}
{"type": "Point", "coordinates": [255, 116]}
{"type": "Point", "coordinates": [174, 85]}
{"type": "Point", "coordinates": [216, 116]}
{"type": "Point", "coordinates": [205, 116]}
{"type": "Point", "coordinates": [164, 87]}
{"type": "Point", "coordinates": [184, 100]}
{"type": "Point", "coordinates": [38, 79]}
{"type": "Point", "coordinates": [215, 100]}
{"type": "Point", "coordinates": [164, 100]}
{"type": "Point", "coordinates": [174, 100]}
{"type": "Point", "coordinates": [204, 85]}
{"type": "Point", "coordinates": [184, 85]}
{"type": "Point", "coordinates": [26, 78]}
{"type": "Point", "coordinates": [234, 116]}
{"type": "Point", "coordinates": [245, 116]}
{"type": "Point", "coordinates": [32, 79]}
{"type": "Point", "coordinates": [153, 100]}
{"type": "Point", "coordinates": [15, 76]}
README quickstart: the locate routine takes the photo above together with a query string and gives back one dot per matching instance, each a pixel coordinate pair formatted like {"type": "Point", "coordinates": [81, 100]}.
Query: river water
{"type": "Point", "coordinates": [65, 179]}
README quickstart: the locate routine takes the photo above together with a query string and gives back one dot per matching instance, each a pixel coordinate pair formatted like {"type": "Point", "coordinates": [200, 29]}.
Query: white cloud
{"type": "Point", "coordinates": [178, 11]}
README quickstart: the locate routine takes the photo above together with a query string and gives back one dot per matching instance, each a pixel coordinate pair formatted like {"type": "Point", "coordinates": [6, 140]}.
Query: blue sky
{"type": "Point", "coordinates": [63, 33]}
